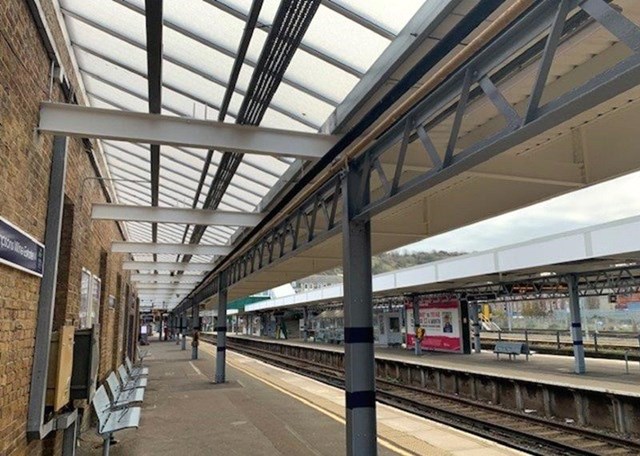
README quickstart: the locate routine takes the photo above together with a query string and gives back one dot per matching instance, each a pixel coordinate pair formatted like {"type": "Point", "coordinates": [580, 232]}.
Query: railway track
{"type": "Point", "coordinates": [528, 433]}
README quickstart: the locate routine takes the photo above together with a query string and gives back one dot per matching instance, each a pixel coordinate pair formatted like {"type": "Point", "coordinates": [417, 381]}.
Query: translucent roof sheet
{"type": "Point", "coordinates": [200, 44]}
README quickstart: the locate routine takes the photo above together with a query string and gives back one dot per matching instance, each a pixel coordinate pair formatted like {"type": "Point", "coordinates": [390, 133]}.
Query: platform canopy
{"type": "Point", "coordinates": [210, 121]}
{"type": "Point", "coordinates": [303, 68]}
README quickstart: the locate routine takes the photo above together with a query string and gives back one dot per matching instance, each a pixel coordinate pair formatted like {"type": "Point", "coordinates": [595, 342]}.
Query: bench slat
{"type": "Point", "coordinates": [110, 420]}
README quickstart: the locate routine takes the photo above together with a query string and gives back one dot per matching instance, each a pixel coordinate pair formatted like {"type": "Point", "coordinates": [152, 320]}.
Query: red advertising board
{"type": "Point", "coordinates": [440, 318]}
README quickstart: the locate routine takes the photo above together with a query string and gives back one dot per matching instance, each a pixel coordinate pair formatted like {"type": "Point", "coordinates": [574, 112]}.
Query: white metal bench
{"type": "Point", "coordinates": [123, 398]}
{"type": "Point", "coordinates": [112, 419]}
{"type": "Point", "coordinates": [135, 371]}
{"type": "Point", "coordinates": [512, 349]}
{"type": "Point", "coordinates": [142, 354]}
{"type": "Point", "coordinates": [129, 382]}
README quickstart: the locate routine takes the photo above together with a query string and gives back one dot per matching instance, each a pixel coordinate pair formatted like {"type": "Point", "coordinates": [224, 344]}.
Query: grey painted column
{"type": "Point", "coordinates": [358, 323]}
{"type": "Point", "coordinates": [221, 329]}
{"type": "Point", "coordinates": [473, 310]}
{"type": "Point", "coordinates": [46, 300]}
{"type": "Point", "coordinates": [69, 438]}
{"type": "Point", "coordinates": [576, 326]}
{"type": "Point", "coordinates": [416, 324]}
{"type": "Point", "coordinates": [195, 324]}
{"type": "Point", "coordinates": [305, 319]}
{"type": "Point", "coordinates": [183, 331]}
{"type": "Point", "coordinates": [176, 328]}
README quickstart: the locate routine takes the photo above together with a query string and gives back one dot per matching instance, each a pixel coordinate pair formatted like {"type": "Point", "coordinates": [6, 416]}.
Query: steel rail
{"type": "Point", "coordinates": [508, 427]}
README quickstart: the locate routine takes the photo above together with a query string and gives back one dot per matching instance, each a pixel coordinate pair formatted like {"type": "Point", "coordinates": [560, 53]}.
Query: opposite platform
{"type": "Point", "coordinates": [608, 376]}
{"type": "Point", "coordinates": [262, 410]}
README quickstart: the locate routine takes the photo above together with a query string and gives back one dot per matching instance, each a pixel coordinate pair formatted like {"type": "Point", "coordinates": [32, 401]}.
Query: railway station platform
{"type": "Point", "coordinates": [605, 375]}
{"type": "Point", "coordinates": [262, 410]}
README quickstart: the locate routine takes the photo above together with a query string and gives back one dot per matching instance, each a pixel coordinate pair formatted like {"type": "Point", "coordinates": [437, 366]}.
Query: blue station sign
{"type": "Point", "coordinates": [19, 250]}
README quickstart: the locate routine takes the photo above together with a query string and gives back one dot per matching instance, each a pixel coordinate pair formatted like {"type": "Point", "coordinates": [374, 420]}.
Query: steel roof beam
{"type": "Point", "coordinates": [181, 64]}
{"type": "Point", "coordinates": [428, 17]}
{"type": "Point", "coordinates": [101, 211]}
{"type": "Point", "coordinates": [142, 74]}
{"type": "Point", "coordinates": [86, 122]}
{"type": "Point", "coordinates": [230, 53]}
{"type": "Point", "coordinates": [305, 47]}
{"type": "Point", "coordinates": [168, 157]}
{"type": "Point", "coordinates": [240, 57]}
{"type": "Point", "coordinates": [180, 183]}
{"type": "Point", "coordinates": [170, 231]}
{"type": "Point", "coordinates": [167, 280]}
{"type": "Point", "coordinates": [165, 266]}
{"type": "Point", "coordinates": [161, 295]}
{"type": "Point", "coordinates": [153, 23]}
{"type": "Point", "coordinates": [186, 249]}
{"type": "Point", "coordinates": [163, 286]}
{"type": "Point", "coordinates": [358, 19]}
{"type": "Point", "coordinates": [130, 195]}
{"type": "Point", "coordinates": [133, 93]}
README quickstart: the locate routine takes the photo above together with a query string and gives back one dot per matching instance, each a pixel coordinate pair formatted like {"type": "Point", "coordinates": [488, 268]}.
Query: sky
{"type": "Point", "coordinates": [612, 200]}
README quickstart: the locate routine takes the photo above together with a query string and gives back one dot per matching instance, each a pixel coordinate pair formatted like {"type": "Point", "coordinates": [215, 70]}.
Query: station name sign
{"type": "Point", "coordinates": [19, 250]}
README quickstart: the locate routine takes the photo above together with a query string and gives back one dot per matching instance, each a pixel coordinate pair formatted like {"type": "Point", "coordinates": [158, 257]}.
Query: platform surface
{"type": "Point", "coordinates": [602, 374]}
{"type": "Point", "coordinates": [262, 410]}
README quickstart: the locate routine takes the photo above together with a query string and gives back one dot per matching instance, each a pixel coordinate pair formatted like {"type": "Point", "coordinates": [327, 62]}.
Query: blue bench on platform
{"type": "Point", "coordinates": [511, 348]}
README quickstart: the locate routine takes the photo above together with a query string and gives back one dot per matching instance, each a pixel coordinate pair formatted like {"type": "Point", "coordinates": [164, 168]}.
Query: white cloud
{"type": "Point", "coordinates": [611, 200]}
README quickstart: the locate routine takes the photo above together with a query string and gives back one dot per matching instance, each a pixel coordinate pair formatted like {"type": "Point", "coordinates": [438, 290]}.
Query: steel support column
{"type": "Point", "coordinates": [305, 320]}
{"type": "Point", "coordinates": [46, 300]}
{"type": "Point", "coordinates": [464, 317]}
{"type": "Point", "coordinates": [221, 329]}
{"type": "Point", "coordinates": [358, 320]}
{"type": "Point", "coordinates": [475, 328]}
{"type": "Point", "coordinates": [195, 324]}
{"type": "Point", "coordinates": [416, 324]}
{"type": "Point", "coordinates": [183, 331]}
{"type": "Point", "coordinates": [69, 439]}
{"type": "Point", "coordinates": [576, 325]}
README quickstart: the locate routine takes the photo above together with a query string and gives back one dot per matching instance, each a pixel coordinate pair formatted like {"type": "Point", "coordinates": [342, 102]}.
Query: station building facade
{"type": "Point", "coordinates": [91, 288]}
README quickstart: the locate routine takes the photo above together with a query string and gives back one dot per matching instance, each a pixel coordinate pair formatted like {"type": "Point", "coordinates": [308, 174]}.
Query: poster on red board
{"type": "Point", "coordinates": [440, 318]}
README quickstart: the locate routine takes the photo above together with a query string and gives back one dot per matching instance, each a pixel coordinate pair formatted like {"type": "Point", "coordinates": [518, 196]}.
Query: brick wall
{"type": "Point", "coordinates": [25, 160]}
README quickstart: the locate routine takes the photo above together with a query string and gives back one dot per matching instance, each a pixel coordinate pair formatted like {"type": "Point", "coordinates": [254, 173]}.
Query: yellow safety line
{"type": "Point", "coordinates": [382, 441]}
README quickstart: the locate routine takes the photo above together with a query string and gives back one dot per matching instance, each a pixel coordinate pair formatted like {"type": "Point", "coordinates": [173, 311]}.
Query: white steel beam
{"type": "Point", "coordinates": [164, 287]}
{"type": "Point", "coordinates": [162, 294]}
{"type": "Point", "coordinates": [166, 279]}
{"type": "Point", "coordinates": [87, 122]}
{"type": "Point", "coordinates": [165, 266]}
{"type": "Point", "coordinates": [185, 215]}
{"type": "Point", "coordinates": [160, 300]}
{"type": "Point", "coordinates": [171, 249]}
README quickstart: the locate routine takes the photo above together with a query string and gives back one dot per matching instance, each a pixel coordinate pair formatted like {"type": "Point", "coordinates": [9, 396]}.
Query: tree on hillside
{"type": "Point", "coordinates": [392, 261]}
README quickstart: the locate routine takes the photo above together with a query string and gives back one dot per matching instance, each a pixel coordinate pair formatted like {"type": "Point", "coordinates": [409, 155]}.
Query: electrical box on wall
{"type": "Point", "coordinates": [60, 368]}
{"type": "Point", "coordinates": [86, 355]}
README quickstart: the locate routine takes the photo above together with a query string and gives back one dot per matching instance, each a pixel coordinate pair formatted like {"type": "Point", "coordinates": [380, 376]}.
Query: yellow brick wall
{"type": "Point", "coordinates": [25, 160]}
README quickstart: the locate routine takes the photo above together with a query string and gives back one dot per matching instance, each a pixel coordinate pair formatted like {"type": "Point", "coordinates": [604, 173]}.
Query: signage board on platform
{"type": "Point", "coordinates": [20, 250]}
{"type": "Point", "coordinates": [440, 318]}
